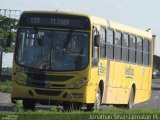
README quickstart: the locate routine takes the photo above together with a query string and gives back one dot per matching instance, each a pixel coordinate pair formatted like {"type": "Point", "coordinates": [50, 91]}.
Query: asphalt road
{"type": "Point", "coordinates": [154, 102]}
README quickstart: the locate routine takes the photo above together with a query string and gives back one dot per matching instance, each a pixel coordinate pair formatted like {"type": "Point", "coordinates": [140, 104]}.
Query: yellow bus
{"type": "Point", "coordinates": [75, 60]}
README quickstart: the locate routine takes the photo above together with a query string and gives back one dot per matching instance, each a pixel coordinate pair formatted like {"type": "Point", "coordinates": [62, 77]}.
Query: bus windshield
{"type": "Point", "coordinates": [52, 50]}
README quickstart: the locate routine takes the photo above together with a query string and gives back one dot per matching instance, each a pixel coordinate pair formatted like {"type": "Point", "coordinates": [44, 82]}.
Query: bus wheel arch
{"type": "Point", "coordinates": [134, 89]}
{"type": "Point", "coordinates": [101, 87]}
{"type": "Point", "coordinates": [98, 98]}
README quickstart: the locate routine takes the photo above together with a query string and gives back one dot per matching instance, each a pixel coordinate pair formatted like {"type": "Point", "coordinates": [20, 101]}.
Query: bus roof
{"type": "Point", "coordinates": [130, 30]}
{"type": "Point", "coordinates": [57, 12]}
{"type": "Point", "coordinates": [104, 22]}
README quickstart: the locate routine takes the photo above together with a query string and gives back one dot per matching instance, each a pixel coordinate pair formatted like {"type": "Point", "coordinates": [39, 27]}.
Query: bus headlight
{"type": "Point", "coordinates": [81, 81]}
{"type": "Point", "coordinates": [75, 85]}
{"type": "Point", "coordinates": [20, 80]}
{"type": "Point", "coordinates": [78, 84]}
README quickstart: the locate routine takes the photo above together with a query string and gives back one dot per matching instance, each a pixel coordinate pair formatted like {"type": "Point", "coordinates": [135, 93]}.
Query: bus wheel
{"type": "Point", "coordinates": [71, 107]}
{"type": "Point", "coordinates": [97, 104]}
{"type": "Point", "coordinates": [119, 106]}
{"type": "Point", "coordinates": [131, 100]}
{"type": "Point", "coordinates": [67, 107]}
{"type": "Point", "coordinates": [29, 104]}
{"type": "Point", "coordinates": [90, 107]}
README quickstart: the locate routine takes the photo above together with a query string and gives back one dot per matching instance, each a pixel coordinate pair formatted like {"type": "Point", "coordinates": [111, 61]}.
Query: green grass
{"type": "Point", "coordinates": [5, 86]}
{"type": "Point", "coordinates": [112, 113]}
{"type": "Point", "coordinates": [53, 114]}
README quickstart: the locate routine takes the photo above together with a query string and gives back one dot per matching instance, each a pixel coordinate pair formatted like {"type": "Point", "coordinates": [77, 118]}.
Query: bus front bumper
{"type": "Point", "coordinates": [85, 94]}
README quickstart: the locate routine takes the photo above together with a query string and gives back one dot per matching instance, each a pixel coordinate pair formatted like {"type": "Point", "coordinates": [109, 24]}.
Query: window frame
{"type": "Point", "coordinates": [126, 48]}
{"type": "Point", "coordinates": [117, 47]}
{"type": "Point", "coordinates": [139, 50]}
{"type": "Point", "coordinates": [110, 46]}
{"type": "Point", "coordinates": [147, 52]}
{"type": "Point", "coordinates": [132, 49]}
{"type": "Point", "coordinates": [104, 45]}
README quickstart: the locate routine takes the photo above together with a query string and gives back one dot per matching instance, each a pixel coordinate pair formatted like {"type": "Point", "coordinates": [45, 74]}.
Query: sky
{"type": "Point", "coordinates": [141, 14]}
{"type": "Point", "coordinates": [7, 60]}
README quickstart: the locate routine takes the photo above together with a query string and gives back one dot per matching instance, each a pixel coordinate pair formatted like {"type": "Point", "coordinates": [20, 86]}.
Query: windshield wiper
{"type": "Point", "coordinates": [38, 38]}
{"type": "Point", "coordinates": [68, 39]}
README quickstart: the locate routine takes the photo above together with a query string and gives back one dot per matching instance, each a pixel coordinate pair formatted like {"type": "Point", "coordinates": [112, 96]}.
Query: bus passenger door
{"type": "Point", "coordinates": [98, 71]}
{"type": "Point", "coordinates": [102, 66]}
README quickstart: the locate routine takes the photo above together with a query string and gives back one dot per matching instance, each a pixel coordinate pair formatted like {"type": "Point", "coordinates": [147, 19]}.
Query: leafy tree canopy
{"type": "Point", "coordinates": [5, 29]}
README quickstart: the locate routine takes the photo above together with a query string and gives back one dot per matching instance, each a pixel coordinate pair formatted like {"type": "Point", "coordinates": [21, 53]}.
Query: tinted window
{"type": "Point", "coordinates": [109, 44]}
{"type": "Point", "coordinates": [132, 42]}
{"type": "Point", "coordinates": [145, 45]}
{"type": "Point", "coordinates": [117, 39]}
{"type": "Point", "coordinates": [145, 58]}
{"type": "Point", "coordinates": [103, 40]}
{"type": "Point", "coordinates": [117, 46]}
{"type": "Point", "coordinates": [117, 53]}
{"type": "Point", "coordinates": [95, 49]}
{"type": "Point", "coordinates": [150, 52]}
{"type": "Point", "coordinates": [125, 47]}
{"type": "Point", "coordinates": [125, 40]}
{"type": "Point", "coordinates": [132, 51]}
{"type": "Point", "coordinates": [139, 57]}
{"type": "Point", "coordinates": [125, 54]}
{"type": "Point", "coordinates": [139, 43]}
{"type": "Point", "coordinates": [132, 56]}
{"type": "Point", "coordinates": [109, 37]}
{"type": "Point", "coordinates": [146, 52]}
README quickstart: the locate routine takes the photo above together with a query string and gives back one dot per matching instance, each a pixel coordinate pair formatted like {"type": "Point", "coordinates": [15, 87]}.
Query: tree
{"type": "Point", "coordinates": [6, 34]}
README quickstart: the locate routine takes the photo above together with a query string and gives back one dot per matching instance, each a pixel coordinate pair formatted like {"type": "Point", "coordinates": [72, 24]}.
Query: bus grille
{"type": "Point", "coordinates": [47, 92]}
{"type": "Point", "coordinates": [57, 78]}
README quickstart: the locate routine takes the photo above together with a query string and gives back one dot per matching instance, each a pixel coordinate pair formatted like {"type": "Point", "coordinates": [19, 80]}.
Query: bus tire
{"type": "Point", "coordinates": [119, 105]}
{"type": "Point", "coordinates": [28, 104]}
{"type": "Point", "coordinates": [90, 107]}
{"type": "Point", "coordinates": [67, 107]}
{"type": "Point", "coordinates": [131, 100]}
{"type": "Point", "coordinates": [97, 104]}
{"type": "Point", "coordinates": [71, 107]}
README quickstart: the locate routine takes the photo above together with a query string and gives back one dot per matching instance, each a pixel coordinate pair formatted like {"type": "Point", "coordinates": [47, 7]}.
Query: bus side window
{"type": "Point", "coordinates": [150, 52]}
{"type": "Point", "coordinates": [109, 43]}
{"type": "Point", "coordinates": [125, 50]}
{"type": "Point", "coordinates": [146, 53]}
{"type": "Point", "coordinates": [95, 49]}
{"type": "Point", "coordinates": [132, 49]}
{"type": "Point", "coordinates": [117, 45]}
{"type": "Point", "coordinates": [102, 33]}
{"type": "Point", "coordinates": [139, 59]}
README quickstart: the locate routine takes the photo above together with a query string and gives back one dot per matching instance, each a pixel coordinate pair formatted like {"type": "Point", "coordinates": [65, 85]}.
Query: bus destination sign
{"type": "Point", "coordinates": [55, 20]}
